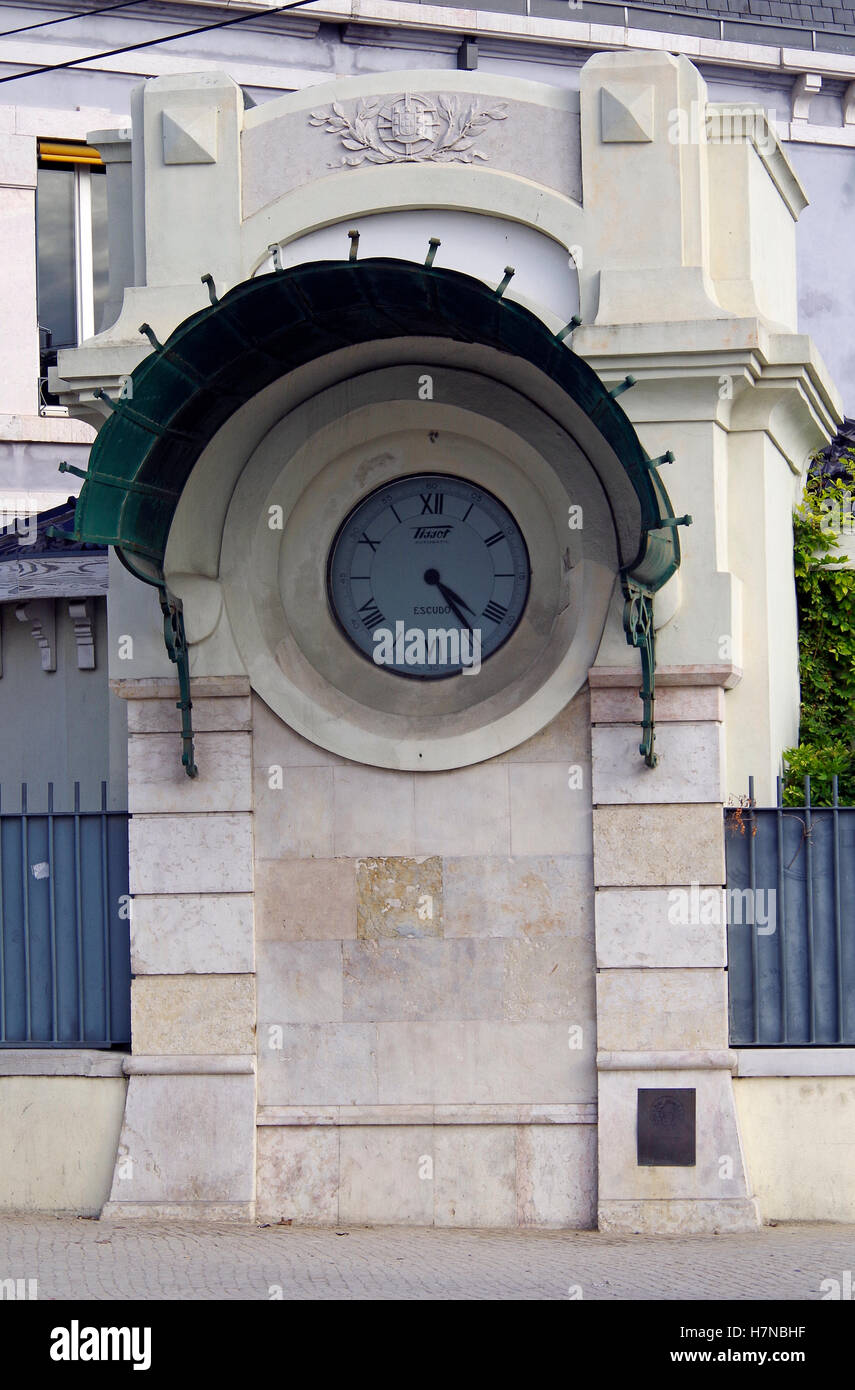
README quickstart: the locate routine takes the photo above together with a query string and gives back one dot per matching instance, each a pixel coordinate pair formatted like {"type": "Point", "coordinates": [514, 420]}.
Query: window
{"type": "Point", "coordinates": [71, 241]}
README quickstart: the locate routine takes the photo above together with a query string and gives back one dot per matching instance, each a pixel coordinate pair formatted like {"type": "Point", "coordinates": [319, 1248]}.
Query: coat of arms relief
{"type": "Point", "coordinates": [409, 129]}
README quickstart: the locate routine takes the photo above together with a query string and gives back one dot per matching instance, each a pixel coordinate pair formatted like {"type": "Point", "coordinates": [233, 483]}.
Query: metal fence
{"type": "Point", "coordinates": [64, 931]}
{"type": "Point", "coordinates": [791, 923]}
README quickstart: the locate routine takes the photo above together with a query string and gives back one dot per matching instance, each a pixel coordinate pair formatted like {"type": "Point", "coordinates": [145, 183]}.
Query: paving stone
{"type": "Point", "coordinates": [73, 1259]}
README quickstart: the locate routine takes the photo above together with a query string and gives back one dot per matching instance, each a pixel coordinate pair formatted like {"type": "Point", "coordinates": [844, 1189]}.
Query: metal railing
{"type": "Point", "coordinates": [791, 923]}
{"type": "Point", "coordinates": [64, 925]}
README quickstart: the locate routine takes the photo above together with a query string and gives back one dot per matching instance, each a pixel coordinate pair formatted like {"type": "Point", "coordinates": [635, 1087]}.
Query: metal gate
{"type": "Point", "coordinates": [64, 926]}
{"type": "Point", "coordinates": [791, 923]}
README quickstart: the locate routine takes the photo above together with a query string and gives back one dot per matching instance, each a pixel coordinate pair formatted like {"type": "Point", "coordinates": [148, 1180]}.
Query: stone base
{"type": "Point", "coordinates": [179, 1211]}
{"type": "Point", "coordinates": [187, 1146]}
{"type": "Point", "coordinates": [719, 1216]}
{"type": "Point", "coordinates": [492, 1176]}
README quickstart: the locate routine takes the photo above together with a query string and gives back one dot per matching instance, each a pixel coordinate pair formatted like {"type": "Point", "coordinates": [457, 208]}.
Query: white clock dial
{"type": "Point", "coordinates": [428, 575]}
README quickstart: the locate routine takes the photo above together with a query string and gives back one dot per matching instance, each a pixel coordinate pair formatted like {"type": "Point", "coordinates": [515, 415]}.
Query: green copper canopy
{"type": "Point", "coordinates": [219, 358]}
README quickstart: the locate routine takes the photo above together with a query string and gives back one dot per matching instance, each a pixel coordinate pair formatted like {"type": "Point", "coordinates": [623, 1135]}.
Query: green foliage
{"type": "Point", "coordinates": [826, 608]}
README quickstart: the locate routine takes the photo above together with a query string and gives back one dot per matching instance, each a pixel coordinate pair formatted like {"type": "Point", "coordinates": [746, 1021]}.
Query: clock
{"type": "Point", "coordinates": [428, 576]}
{"type": "Point", "coordinates": [368, 536]}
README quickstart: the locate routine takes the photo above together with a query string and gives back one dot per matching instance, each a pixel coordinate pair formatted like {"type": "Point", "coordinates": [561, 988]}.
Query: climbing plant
{"type": "Point", "coordinates": [825, 593]}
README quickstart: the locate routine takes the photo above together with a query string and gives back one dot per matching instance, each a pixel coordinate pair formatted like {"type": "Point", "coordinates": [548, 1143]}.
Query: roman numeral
{"type": "Point", "coordinates": [495, 612]}
{"type": "Point", "coordinates": [366, 540]}
{"type": "Point", "coordinates": [431, 502]}
{"type": "Point", "coordinates": [373, 617]}
{"type": "Point", "coordinates": [495, 538]}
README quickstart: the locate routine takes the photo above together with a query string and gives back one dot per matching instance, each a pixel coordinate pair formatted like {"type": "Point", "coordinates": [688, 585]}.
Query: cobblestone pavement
{"type": "Point", "coordinates": [86, 1259]}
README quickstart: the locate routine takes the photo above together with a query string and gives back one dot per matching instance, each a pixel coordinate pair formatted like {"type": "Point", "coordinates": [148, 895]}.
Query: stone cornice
{"type": "Point", "coordinates": [164, 688]}
{"type": "Point", "coordinates": [742, 374]}
{"type": "Point", "coordinates": [568, 33]}
{"type": "Point", "coordinates": [723, 674]}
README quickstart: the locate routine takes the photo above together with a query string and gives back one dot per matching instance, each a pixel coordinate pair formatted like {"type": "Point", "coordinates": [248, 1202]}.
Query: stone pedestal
{"type": "Point", "coordinates": [661, 981]}
{"type": "Point", "coordinates": [187, 1147]}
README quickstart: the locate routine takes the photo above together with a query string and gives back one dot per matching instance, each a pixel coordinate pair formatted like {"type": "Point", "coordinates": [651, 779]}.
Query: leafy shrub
{"type": "Point", "coordinates": [826, 610]}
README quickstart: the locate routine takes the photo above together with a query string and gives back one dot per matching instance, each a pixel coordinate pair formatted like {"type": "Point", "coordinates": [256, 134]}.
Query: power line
{"type": "Point", "coordinates": [152, 43]}
{"type": "Point", "coordinates": [81, 14]}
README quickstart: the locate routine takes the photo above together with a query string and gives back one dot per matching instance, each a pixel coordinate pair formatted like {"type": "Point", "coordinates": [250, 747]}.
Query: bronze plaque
{"type": "Point", "coordinates": [666, 1128]}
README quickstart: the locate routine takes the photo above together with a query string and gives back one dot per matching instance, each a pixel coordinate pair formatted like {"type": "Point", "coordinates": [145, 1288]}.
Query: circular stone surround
{"type": "Point", "coordinates": [303, 479]}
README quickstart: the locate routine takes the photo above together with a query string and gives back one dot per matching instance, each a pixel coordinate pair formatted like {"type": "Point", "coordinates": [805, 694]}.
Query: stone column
{"type": "Point", "coordinates": [187, 1147]}
{"type": "Point", "coordinates": [19, 343]}
{"type": "Point", "coordinates": [114, 147]}
{"type": "Point", "coordinates": [661, 980]}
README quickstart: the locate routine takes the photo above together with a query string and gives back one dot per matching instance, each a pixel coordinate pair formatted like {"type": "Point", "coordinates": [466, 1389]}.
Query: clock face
{"type": "Point", "coordinates": [428, 576]}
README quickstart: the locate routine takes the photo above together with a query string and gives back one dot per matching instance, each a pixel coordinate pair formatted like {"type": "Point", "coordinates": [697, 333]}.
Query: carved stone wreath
{"type": "Point", "coordinates": [409, 129]}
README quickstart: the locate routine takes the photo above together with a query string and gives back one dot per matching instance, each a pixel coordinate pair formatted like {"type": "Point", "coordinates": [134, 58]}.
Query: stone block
{"type": "Point", "coordinates": [157, 780]}
{"type": "Point", "coordinates": [275, 744]}
{"type": "Point", "coordinates": [192, 933]}
{"type": "Point", "coordinates": [658, 845]}
{"type": "Point", "coordinates": [634, 928]}
{"type": "Point", "coordinates": [17, 161]}
{"type": "Point", "coordinates": [186, 1140]}
{"type": "Point", "coordinates": [191, 853]}
{"type": "Point", "coordinates": [661, 1010]}
{"type": "Point", "coordinates": [679, 1218]}
{"type": "Point", "coordinates": [482, 1062]}
{"type": "Point", "coordinates": [380, 1175]}
{"type": "Point", "coordinates": [548, 815]}
{"type": "Point", "coordinates": [209, 715]}
{"type": "Point", "coordinates": [297, 1175]}
{"type": "Point", "coordinates": [317, 1064]}
{"type": "Point", "coordinates": [524, 896]}
{"type": "Point", "coordinates": [719, 1169]}
{"type": "Point", "coordinates": [474, 1176]}
{"type": "Point", "coordinates": [621, 705]}
{"type": "Point", "coordinates": [567, 739]}
{"type": "Point", "coordinates": [398, 897]}
{"type": "Point", "coordinates": [557, 1176]}
{"type": "Point", "coordinates": [549, 979]}
{"type": "Point", "coordinates": [300, 982]}
{"type": "Point", "coordinates": [294, 817]}
{"type": "Point", "coordinates": [690, 767]}
{"type": "Point", "coordinates": [373, 811]}
{"type": "Point", "coordinates": [462, 812]}
{"type": "Point", "coordinates": [193, 1014]}
{"type": "Point", "coordinates": [305, 899]}
{"type": "Point", "coordinates": [422, 980]}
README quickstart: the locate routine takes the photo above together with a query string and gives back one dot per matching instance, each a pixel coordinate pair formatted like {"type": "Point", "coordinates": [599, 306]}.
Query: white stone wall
{"type": "Point", "coordinates": [425, 957]}
{"type": "Point", "coordinates": [62, 1115]}
{"type": "Point", "coordinates": [799, 1134]}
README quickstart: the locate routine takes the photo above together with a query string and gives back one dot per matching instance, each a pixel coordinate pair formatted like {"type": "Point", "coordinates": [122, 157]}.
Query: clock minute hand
{"type": "Point", "coordinates": [453, 598]}
{"type": "Point", "coordinates": [452, 605]}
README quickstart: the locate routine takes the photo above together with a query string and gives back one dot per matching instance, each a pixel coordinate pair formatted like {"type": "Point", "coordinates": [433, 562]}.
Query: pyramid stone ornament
{"type": "Point", "coordinates": [190, 135]}
{"type": "Point", "coordinates": [628, 118]}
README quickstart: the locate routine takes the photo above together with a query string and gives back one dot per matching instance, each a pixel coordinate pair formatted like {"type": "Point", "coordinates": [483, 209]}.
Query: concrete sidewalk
{"type": "Point", "coordinates": [77, 1258]}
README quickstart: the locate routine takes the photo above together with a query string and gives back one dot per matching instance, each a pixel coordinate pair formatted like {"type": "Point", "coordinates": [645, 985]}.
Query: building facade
{"type": "Point", "coordinates": [424, 944]}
